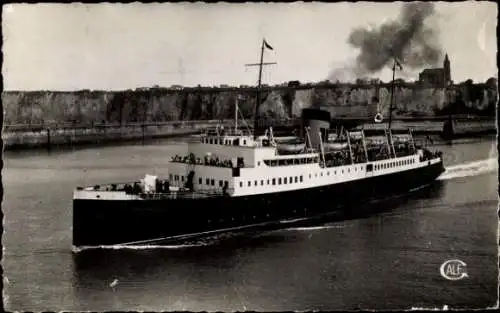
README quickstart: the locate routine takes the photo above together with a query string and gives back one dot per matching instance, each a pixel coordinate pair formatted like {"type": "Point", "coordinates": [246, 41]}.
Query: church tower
{"type": "Point", "coordinates": [447, 71]}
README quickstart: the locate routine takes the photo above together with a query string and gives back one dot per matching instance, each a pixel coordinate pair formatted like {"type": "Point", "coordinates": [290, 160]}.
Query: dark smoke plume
{"type": "Point", "coordinates": [408, 39]}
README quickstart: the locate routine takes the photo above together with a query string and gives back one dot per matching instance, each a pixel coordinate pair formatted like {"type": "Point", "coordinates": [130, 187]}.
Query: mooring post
{"type": "Point", "coordinates": [48, 139]}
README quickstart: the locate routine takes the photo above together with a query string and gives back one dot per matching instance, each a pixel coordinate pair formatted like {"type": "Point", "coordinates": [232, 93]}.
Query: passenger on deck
{"type": "Point", "coordinates": [136, 189]}
{"type": "Point", "coordinates": [158, 186]}
{"type": "Point", "coordinates": [166, 186]}
{"type": "Point", "coordinates": [128, 189]}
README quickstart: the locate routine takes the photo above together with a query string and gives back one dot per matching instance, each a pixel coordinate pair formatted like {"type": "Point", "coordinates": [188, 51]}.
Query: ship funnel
{"type": "Point", "coordinates": [316, 121]}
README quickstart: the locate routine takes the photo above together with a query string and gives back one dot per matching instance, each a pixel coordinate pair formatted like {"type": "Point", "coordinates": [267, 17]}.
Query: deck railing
{"type": "Point", "coordinates": [186, 194]}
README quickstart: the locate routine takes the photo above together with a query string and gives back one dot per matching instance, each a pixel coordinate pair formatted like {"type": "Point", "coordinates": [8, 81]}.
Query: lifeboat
{"type": "Point", "coordinates": [335, 145]}
{"type": "Point", "coordinates": [291, 147]}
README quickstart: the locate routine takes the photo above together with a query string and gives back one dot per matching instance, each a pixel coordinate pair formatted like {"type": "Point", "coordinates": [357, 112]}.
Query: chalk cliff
{"type": "Point", "coordinates": [158, 104]}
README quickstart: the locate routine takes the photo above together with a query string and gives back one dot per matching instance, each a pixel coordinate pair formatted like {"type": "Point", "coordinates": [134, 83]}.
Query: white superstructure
{"type": "Point", "coordinates": [249, 166]}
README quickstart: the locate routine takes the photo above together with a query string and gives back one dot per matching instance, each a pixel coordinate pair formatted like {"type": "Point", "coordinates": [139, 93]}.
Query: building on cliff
{"type": "Point", "coordinates": [439, 77]}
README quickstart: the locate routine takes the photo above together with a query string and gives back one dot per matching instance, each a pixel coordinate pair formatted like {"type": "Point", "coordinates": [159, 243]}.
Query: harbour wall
{"type": "Point", "coordinates": [48, 136]}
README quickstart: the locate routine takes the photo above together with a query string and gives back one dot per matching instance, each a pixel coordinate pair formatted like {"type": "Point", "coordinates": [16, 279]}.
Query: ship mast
{"type": "Point", "coordinates": [391, 144]}
{"type": "Point", "coordinates": [392, 93]}
{"type": "Point", "coordinates": [260, 64]}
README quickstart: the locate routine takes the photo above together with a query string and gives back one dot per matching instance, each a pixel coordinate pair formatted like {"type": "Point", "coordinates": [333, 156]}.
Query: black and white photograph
{"type": "Point", "coordinates": [230, 157]}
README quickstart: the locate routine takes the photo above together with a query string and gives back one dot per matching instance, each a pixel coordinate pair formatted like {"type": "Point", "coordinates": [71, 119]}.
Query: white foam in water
{"type": "Point", "coordinates": [470, 169]}
{"type": "Point", "coordinates": [316, 227]}
{"type": "Point", "coordinates": [135, 247]}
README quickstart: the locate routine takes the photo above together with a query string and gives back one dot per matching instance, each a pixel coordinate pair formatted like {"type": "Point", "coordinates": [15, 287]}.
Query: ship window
{"type": "Point", "coordinates": [249, 183]}
{"type": "Point", "coordinates": [296, 179]}
{"type": "Point", "coordinates": [342, 171]}
{"type": "Point", "coordinates": [348, 170]}
{"type": "Point", "coordinates": [182, 178]}
{"type": "Point", "coordinates": [200, 180]}
{"type": "Point", "coordinates": [262, 182]}
{"type": "Point", "coordinates": [321, 173]}
{"type": "Point", "coordinates": [291, 179]}
{"type": "Point", "coordinates": [279, 181]}
{"type": "Point", "coordinates": [315, 174]}
{"type": "Point", "coordinates": [220, 183]}
{"type": "Point", "coordinates": [328, 173]}
{"type": "Point", "coordinates": [274, 181]}
{"type": "Point", "coordinates": [268, 181]}
{"type": "Point", "coordinates": [301, 178]}
{"type": "Point", "coordinates": [255, 183]}
{"type": "Point", "coordinates": [335, 172]}
{"type": "Point", "coordinates": [309, 175]}
{"type": "Point", "coordinates": [258, 163]}
{"type": "Point", "coordinates": [284, 180]}
{"type": "Point", "coordinates": [241, 184]}
{"type": "Point", "coordinates": [226, 183]}
{"type": "Point", "coordinates": [244, 142]}
{"type": "Point", "coordinates": [207, 181]}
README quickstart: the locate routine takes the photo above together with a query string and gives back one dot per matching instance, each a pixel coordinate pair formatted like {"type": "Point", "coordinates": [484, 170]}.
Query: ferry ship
{"type": "Point", "coordinates": [234, 178]}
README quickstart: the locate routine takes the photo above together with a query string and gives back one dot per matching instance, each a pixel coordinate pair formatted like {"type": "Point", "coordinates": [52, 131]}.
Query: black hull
{"type": "Point", "coordinates": [112, 222]}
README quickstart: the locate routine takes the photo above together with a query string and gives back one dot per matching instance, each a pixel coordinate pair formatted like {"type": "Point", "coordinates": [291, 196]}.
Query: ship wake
{"type": "Point", "coordinates": [470, 169]}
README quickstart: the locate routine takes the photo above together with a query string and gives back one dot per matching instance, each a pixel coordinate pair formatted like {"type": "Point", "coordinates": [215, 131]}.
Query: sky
{"type": "Point", "coordinates": [121, 46]}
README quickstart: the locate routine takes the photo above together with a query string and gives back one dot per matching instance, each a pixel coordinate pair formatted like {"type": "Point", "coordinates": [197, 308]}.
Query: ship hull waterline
{"type": "Point", "coordinates": [101, 223]}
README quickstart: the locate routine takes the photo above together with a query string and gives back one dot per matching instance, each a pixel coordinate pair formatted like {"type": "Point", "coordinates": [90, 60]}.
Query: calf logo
{"type": "Point", "coordinates": [453, 270]}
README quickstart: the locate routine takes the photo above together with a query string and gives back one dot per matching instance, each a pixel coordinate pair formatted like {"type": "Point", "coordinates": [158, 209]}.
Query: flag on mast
{"type": "Point", "coordinates": [398, 64]}
{"type": "Point", "coordinates": [268, 46]}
